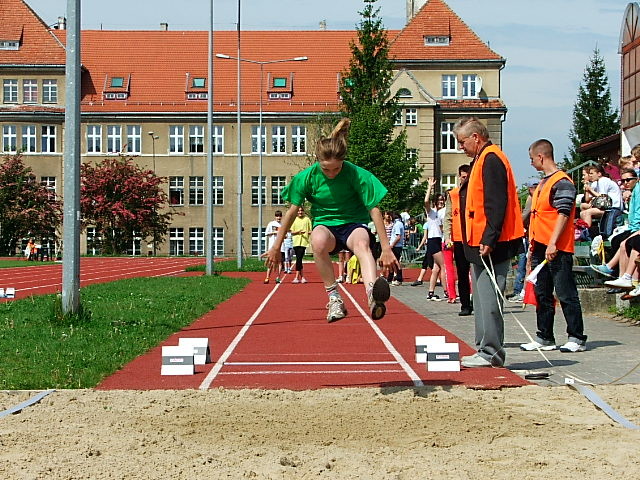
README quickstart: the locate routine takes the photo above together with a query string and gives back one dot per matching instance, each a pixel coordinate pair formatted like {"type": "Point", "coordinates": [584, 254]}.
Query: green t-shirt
{"type": "Point", "coordinates": [347, 198]}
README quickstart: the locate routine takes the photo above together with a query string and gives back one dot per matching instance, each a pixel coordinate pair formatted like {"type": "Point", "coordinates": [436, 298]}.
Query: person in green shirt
{"type": "Point", "coordinates": [343, 198]}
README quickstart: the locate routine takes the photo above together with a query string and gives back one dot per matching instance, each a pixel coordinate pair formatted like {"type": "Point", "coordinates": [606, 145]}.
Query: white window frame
{"type": "Point", "coordinates": [448, 181]}
{"type": "Point", "coordinates": [254, 190]}
{"type": "Point", "coordinates": [448, 140]}
{"type": "Point", "coordinates": [94, 242]}
{"type": "Point", "coordinates": [134, 139]}
{"type": "Point", "coordinates": [9, 138]}
{"type": "Point", "coordinates": [29, 90]}
{"type": "Point", "coordinates": [471, 85]}
{"type": "Point", "coordinates": [196, 139]}
{"type": "Point", "coordinates": [29, 139]}
{"type": "Point", "coordinates": [298, 140]}
{"type": "Point", "coordinates": [217, 184]}
{"type": "Point", "coordinates": [114, 138]}
{"type": "Point", "coordinates": [449, 86]}
{"type": "Point", "coordinates": [217, 139]}
{"type": "Point", "coordinates": [255, 239]}
{"type": "Point", "coordinates": [50, 184]}
{"type": "Point", "coordinates": [10, 90]}
{"type": "Point", "coordinates": [218, 241]}
{"type": "Point", "coordinates": [94, 138]}
{"type": "Point", "coordinates": [176, 241]}
{"type": "Point", "coordinates": [196, 241]}
{"type": "Point", "coordinates": [411, 116]}
{"type": "Point", "coordinates": [254, 138]}
{"type": "Point", "coordinates": [176, 190]}
{"type": "Point", "coordinates": [176, 139]}
{"type": "Point", "coordinates": [279, 139]}
{"type": "Point", "coordinates": [398, 118]}
{"type": "Point", "coordinates": [278, 182]}
{"type": "Point", "coordinates": [50, 91]}
{"type": "Point", "coordinates": [196, 190]}
{"type": "Point", "coordinates": [48, 138]}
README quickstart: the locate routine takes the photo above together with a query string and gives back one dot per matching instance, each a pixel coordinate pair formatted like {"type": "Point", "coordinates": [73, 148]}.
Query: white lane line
{"type": "Point", "coordinates": [403, 363]}
{"type": "Point", "coordinates": [307, 372]}
{"type": "Point", "coordinates": [389, 362]}
{"type": "Point", "coordinates": [206, 383]}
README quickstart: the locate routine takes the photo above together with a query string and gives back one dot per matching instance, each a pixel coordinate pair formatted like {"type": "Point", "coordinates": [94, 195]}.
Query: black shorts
{"type": "Point", "coordinates": [434, 245]}
{"type": "Point", "coordinates": [342, 232]}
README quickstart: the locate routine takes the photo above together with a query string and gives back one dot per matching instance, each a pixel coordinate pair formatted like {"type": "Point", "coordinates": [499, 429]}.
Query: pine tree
{"type": "Point", "coordinates": [366, 99]}
{"type": "Point", "coordinates": [593, 114]}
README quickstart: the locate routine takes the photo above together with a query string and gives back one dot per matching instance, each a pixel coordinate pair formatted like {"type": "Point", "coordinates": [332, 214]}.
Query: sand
{"type": "Point", "coordinates": [398, 433]}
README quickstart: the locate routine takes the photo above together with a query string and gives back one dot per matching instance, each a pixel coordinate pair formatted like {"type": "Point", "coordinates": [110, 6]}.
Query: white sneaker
{"type": "Point", "coordinates": [396, 283]}
{"type": "Point", "coordinates": [304, 280]}
{"type": "Point", "coordinates": [295, 280]}
{"type": "Point", "coordinates": [620, 283]}
{"type": "Point", "coordinates": [519, 298]}
{"type": "Point", "coordinates": [572, 347]}
{"type": "Point", "coordinates": [635, 292]}
{"type": "Point", "coordinates": [337, 310]}
{"type": "Point", "coordinates": [528, 347]}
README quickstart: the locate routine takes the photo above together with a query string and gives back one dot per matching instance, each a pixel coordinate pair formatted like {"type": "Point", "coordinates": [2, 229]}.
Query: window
{"type": "Point", "coordinates": [196, 139]}
{"type": "Point", "coordinates": [134, 139]}
{"type": "Point", "coordinates": [50, 184]}
{"type": "Point", "coordinates": [94, 241]}
{"type": "Point", "coordinates": [10, 91]}
{"type": "Point", "coordinates": [196, 190]}
{"type": "Point", "coordinates": [254, 138]}
{"type": "Point", "coordinates": [277, 184]}
{"type": "Point", "coordinates": [176, 241]}
{"type": "Point", "coordinates": [279, 82]}
{"type": "Point", "coordinates": [412, 154]}
{"type": "Point", "coordinates": [48, 138]}
{"type": "Point", "coordinates": [198, 82]}
{"type": "Point", "coordinates": [29, 138]}
{"type": "Point", "coordinates": [94, 138]}
{"type": "Point", "coordinates": [30, 91]}
{"type": "Point", "coordinates": [278, 139]}
{"type": "Point", "coordinates": [447, 182]}
{"type": "Point", "coordinates": [255, 238]}
{"type": "Point", "coordinates": [436, 40]}
{"type": "Point", "coordinates": [133, 248]}
{"type": "Point", "coordinates": [9, 138]}
{"type": "Point", "coordinates": [299, 139]}
{"type": "Point", "coordinates": [9, 45]}
{"type": "Point", "coordinates": [117, 82]}
{"type": "Point", "coordinates": [411, 116]}
{"type": "Point", "coordinates": [471, 85]}
{"type": "Point", "coordinates": [49, 91]}
{"type": "Point", "coordinates": [114, 138]}
{"type": "Point", "coordinates": [404, 93]}
{"type": "Point", "coordinates": [218, 241]}
{"type": "Point", "coordinates": [449, 86]}
{"type": "Point", "coordinates": [397, 120]}
{"type": "Point", "coordinates": [255, 191]}
{"type": "Point", "coordinates": [217, 184]}
{"type": "Point", "coordinates": [448, 142]}
{"type": "Point", "coordinates": [218, 139]}
{"type": "Point", "coordinates": [176, 191]}
{"type": "Point", "coordinates": [196, 241]}
{"type": "Point", "coordinates": [176, 139]}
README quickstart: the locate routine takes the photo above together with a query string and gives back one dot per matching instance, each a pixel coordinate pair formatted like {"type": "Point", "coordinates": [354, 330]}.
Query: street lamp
{"type": "Point", "coordinates": [154, 137]}
{"type": "Point", "coordinates": [262, 63]}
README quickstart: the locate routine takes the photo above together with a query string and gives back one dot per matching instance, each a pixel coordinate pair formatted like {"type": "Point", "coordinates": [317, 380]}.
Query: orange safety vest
{"type": "Point", "coordinates": [476, 221]}
{"type": "Point", "coordinates": [544, 216]}
{"type": "Point", "coordinates": [456, 224]}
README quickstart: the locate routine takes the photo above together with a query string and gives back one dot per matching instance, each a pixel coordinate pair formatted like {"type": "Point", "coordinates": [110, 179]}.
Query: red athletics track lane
{"type": "Point", "coordinates": [43, 279]}
{"type": "Point", "coordinates": [290, 345]}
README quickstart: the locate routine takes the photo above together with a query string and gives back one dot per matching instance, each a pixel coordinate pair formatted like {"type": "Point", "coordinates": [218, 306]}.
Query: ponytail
{"type": "Point", "coordinates": [335, 145]}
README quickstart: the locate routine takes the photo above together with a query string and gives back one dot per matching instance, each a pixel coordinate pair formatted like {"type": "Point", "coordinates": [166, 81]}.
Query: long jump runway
{"type": "Point", "coordinates": [276, 336]}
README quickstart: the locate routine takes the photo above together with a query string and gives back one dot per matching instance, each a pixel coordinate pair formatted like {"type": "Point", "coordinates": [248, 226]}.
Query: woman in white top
{"type": "Point", "coordinates": [600, 185]}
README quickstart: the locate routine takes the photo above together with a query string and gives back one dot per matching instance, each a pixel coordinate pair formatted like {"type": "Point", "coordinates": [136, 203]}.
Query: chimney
{"type": "Point", "coordinates": [323, 24]}
{"type": "Point", "coordinates": [164, 26]}
{"type": "Point", "coordinates": [412, 8]}
{"type": "Point", "coordinates": [62, 23]}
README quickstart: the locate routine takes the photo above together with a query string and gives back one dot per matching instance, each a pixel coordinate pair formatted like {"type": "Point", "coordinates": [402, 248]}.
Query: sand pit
{"type": "Point", "coordinates": [457, 433]}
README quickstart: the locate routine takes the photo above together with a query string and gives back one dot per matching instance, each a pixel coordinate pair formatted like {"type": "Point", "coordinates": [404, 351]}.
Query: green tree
{"type": "Point", "coordinates": [365, 89]}
{"type": "Point", "coordinates": [593, 115]}
{"type": "Point", "coordinates": [122, 200]}
{"type": "Point", "coordinates": [27, 208]}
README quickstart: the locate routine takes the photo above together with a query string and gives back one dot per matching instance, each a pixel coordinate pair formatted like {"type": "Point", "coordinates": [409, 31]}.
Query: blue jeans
{"type": "Point", "coordinates": [557, 275]}
{"type": "Point", "coordinates": [518, 283]}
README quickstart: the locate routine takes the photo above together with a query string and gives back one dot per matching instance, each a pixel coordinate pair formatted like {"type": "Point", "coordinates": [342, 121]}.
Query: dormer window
{"type": "Point", "coordinates": [404, 93]}
{"type": "Point", "coordinates": [280, 87]}
{"type": "Point", "coordinates": [279, 82]}
{"type": "Point", "coordinates": [117, 82]}
{"type": "Point", "coordinates": [193, 87]}
{"type": "Point", "coordinates": [198, 82]}
{"type": "Point", "coordinates": [437, 40]}
{"type": "Point", "coordinates": [116, 87]}
{"type": "Point", "coordinates": [9, 45]}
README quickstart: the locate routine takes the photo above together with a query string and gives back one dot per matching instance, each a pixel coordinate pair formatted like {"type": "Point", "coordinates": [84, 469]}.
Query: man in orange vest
{"type": "Point", "coordinates": [551, 238]}
{"type": "Point", "coordinates": [492, 234]}
{"type": "Point", "coordinates": [452, 230]}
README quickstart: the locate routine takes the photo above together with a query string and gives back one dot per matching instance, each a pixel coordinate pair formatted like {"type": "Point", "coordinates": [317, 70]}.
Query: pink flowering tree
{"type": "Point", "coordinates": [27, 208]}
{"type": "Point", "coordinates": [122, 200]}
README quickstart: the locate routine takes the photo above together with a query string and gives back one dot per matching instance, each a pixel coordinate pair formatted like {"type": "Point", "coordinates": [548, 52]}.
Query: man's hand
{"type": "Point", "coordinates": [485, 250]}
{"type": "Point", "coordinates": [551, 252]}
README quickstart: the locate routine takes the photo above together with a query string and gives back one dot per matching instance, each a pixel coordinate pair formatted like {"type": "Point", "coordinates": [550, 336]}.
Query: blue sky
{"type": "Point", "coordinates": [547, 44]}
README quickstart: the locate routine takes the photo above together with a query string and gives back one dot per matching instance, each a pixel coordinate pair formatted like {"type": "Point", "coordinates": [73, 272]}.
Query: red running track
{"type": "Point", "coordinates": [276, 336]}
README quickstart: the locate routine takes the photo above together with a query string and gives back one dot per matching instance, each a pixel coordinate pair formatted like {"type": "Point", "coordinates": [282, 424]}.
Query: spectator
{"type": "Point", "coordinates": [300, 231]}
{"type": "Point", "coordinates": [270, 232]}
{"type": "Point", "coordinates": [600, 185]}
{"type": "Point", "coordinates": [396, 240]}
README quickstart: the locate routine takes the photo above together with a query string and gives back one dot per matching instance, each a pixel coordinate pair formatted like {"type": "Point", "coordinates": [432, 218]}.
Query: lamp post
{"type": "Point", "coordinates": [261, 63]}
{"type": "Point", "coordinates": [154, 137]}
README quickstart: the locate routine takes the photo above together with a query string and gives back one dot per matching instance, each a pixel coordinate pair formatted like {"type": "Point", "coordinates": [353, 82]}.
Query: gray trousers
{"type": "Point", "coordinates": [487, 306]}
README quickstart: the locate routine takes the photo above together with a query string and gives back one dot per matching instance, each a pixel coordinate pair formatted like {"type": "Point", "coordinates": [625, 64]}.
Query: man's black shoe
{"type": "Point", "coordinates": [465, 312]}
{"type": "Point", "coordinates": [615, 291]}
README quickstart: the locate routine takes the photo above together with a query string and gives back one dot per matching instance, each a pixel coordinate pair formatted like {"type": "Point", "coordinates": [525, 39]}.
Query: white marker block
{"type": "Point", "coordinates": [10, 292]}
{"type": "Point", "coordinates": [2, 294]}
{"type": "Point", "coordinates": [177, 360]}
{"type": "Point", "coordinates": [201, 353]}
{"type": "Point", "coordinates": [421, 346]}
{"type": "Point", "coordinates": [443, 357]}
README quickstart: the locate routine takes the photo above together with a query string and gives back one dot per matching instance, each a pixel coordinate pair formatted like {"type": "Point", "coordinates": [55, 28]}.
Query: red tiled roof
{"type": "Point", "coordinates": [31, 108]}
{"type": "Point", "coordinates": [435, 18]}
{"type": "Point", "coordinates": [38, 46]}
{"type": "Point", "coordinates": [474, 103]}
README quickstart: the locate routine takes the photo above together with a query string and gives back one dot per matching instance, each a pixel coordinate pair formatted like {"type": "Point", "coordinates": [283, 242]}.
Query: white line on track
{"type": "Point", "coordinates": [403, 363]}
{"type": "Point", "coordinates": [307, 372]}
{"type": "Point", "coordinates": [206, 383]}
{"type": "Point", "coordinates": [389, 362]}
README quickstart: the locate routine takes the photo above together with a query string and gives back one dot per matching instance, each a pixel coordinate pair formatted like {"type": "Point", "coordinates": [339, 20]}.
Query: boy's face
{"type": "Point", "coordinates": [278, 218]}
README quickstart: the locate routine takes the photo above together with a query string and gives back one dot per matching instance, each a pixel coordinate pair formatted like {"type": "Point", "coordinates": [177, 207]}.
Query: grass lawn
{"type": "Point", "coordinates": [126, 319]}
{"type": "Point", "coordinates": [21, 263]}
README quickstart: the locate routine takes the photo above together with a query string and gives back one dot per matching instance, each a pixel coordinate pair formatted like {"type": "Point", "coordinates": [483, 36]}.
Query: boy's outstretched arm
{"type": "Point", "coordinates": [388, 260]}
{"type": "Point", "coordinates": [272, 256]}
